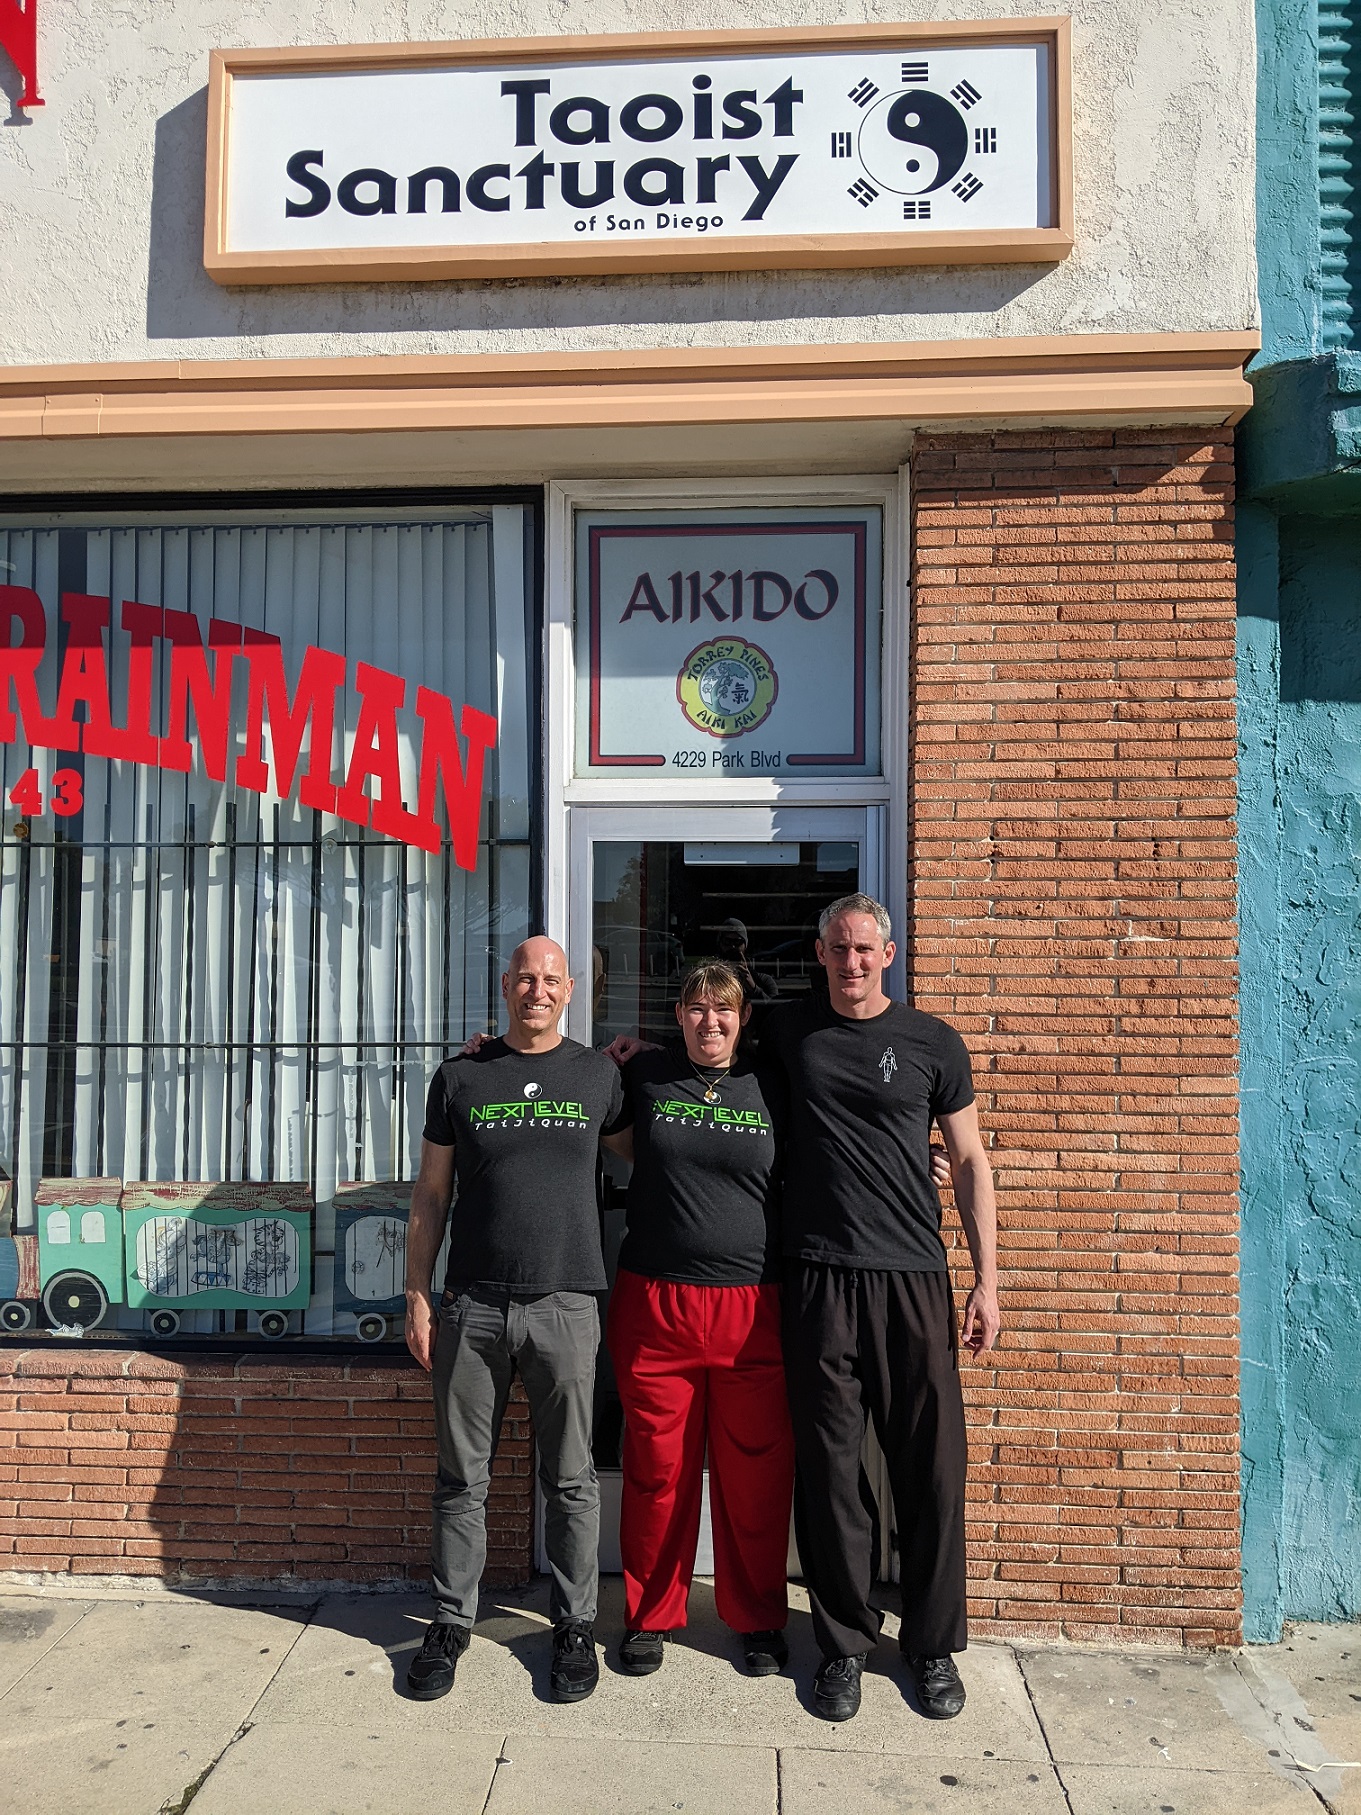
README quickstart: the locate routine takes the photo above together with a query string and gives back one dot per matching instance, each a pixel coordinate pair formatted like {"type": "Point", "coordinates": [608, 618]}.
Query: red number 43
{"type": "Point", "coordinates": [67, 792]}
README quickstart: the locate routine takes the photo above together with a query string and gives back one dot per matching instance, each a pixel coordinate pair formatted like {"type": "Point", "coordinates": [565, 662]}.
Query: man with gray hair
{"type": "Point", "coordinates": [869, 1323]}
{"type": "Point", "coordinates": [518, 1123]}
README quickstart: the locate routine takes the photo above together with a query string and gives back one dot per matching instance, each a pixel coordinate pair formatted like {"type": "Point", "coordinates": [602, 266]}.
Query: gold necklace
{"type": "Point", "coordinates": [710, 1084]}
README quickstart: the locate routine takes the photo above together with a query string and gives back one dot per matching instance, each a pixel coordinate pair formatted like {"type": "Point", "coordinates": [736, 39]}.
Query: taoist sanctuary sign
{"type": "Point", "coordinates": [837, 146]}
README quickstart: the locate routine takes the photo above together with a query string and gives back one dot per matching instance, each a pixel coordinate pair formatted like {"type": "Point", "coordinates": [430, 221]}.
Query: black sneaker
{"type": "Point", "coordinates": [836, 1687]}
{"type": "Point", "coordinates": [940, 1693]}
{"type": "Point", "coordinates": [575, 1670]}
{"type": "Point", "coordinates": [641, 1652]}
{"type": "Point", "coordinates": [432, 1669]}
{"type": "Point", "coordinates": [766, 1653]}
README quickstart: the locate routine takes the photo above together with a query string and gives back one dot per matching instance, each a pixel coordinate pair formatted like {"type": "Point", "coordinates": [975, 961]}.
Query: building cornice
{"type": "Point", "coordinates": [1150, 378]}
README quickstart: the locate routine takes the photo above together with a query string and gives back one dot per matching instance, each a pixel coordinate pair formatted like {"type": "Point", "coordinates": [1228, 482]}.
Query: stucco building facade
{"type": "Point", "coordinates": [233, 957]}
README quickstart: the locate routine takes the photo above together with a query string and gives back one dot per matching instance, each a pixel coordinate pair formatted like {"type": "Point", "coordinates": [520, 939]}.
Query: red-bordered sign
{"type": "Point", "coordinates": [599, 534]}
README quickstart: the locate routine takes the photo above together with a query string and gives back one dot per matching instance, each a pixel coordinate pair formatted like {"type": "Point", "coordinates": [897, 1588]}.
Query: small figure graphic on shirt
{"type": "Point", "coordinates": [888, 1064]}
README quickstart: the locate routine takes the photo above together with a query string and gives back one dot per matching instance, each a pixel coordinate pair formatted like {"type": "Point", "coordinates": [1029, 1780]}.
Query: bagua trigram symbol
{"type": "Point", "coordinates": [888, 1063]}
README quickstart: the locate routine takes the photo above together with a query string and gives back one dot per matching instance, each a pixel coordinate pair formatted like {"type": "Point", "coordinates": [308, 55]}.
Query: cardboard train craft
{"type": "Point", "coordinates": [370, 1257]}
{"type": "Point", "coordinates": [160, 1247]}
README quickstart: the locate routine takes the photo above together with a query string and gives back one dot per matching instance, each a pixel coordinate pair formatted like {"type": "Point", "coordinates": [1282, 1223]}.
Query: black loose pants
{"type": "Point", "coordinates": [881, 1345]}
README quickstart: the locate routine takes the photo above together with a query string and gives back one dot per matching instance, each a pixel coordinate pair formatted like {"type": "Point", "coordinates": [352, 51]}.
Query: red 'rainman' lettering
{"type": "Point", "coordinates": [442, 764]}
{"type": "Point", "coordinates": [322, 675]}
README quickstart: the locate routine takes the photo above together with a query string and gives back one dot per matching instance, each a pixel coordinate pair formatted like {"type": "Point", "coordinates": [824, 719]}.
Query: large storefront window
{"type": "Point", "coordinates": [268, 796]}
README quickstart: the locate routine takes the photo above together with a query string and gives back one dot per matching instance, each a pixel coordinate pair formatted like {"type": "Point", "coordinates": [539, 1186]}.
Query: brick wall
{"type": "Point", "coordinates": [1072, 874]}
{"type": "Point", "coordinates": [122, 1463]}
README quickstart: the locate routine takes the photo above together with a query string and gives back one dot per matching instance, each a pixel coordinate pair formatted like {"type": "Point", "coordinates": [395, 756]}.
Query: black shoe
{"type": "Point", "coordinates": [766, 1653]}
{"type": "Point", "coordinates": [836, 1687]}
{"type": "Point", "coordinates": [641, 1652]}
{"type": "Point", "coordinates": [575, 1671]}
{"type": "Point", "coordinates": [940, 1693]}
{"type": "Point", "coordinates": [432, 1669]}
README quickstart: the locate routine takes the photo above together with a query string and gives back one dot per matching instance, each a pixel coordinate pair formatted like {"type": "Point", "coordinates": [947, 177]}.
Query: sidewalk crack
{"type": "Point", "coordinates": [1044, 1732]}
{"type": "Point", "coordinates": [74, 1627]}
{"type": "Point", "coordinates": [191, 1790]}
{"type": "Point", "coordinates": [1287, 1720]}
{"type": "Point", "coordinates": [180, 1804]}
{"type": "Point", "coordinates": [501, 1759]}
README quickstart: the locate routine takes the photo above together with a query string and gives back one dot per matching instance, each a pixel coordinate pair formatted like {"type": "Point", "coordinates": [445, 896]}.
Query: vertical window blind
{"type": "Point", "coordinates": [202, 982]}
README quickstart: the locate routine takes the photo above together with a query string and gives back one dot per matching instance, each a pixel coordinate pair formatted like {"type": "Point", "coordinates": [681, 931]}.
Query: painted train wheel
{"type": "Point", "coordinates": [15, 1315]}
{"type": "Point", "coordinates": [273, 1324]}
{"type": "Point", "coordinates": [165, 1323]}
{"type": "Point", "coordinates": [371, 1327]}
{"type": "Point", "coordinates": [75, 1301]}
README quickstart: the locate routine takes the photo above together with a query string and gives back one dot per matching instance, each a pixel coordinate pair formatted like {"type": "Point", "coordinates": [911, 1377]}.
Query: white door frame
{"type": "Point", "coordinates": [714, 808]}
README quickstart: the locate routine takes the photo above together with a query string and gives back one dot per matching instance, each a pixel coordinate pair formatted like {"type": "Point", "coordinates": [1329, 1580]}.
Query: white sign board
{"type": "Point", "coordinates": [728, 643]}
{"type": "Point", "coordinates": [881, 145]}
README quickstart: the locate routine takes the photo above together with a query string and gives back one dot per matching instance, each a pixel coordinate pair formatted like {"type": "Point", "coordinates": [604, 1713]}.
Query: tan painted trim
{"type": "Point", "coordinates": [583, 47]}
{"type": "Point", "coordinates": [809, 252]}
{"type": "Point", "coordinates": [1153, 378]}
{"type": "Point", "coordinates": [801, 252]}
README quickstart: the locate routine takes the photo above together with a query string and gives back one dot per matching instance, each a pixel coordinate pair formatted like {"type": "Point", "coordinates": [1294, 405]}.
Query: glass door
{"type": "Point", "coordinates": [657, 890]}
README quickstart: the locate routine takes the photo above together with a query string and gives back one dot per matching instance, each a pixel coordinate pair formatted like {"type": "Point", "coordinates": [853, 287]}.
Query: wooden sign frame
{"type": "Point", "coordinates": [1032, 245]}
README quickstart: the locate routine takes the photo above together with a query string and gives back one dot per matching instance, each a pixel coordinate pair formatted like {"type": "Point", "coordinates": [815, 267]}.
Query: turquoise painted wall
{"type": "Point", "coordinates": [1300, 909]}
{"type": "Point", "coordinates": [1299, 677]}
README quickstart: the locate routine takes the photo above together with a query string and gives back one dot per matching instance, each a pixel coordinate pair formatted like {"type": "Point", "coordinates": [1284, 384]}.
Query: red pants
{"type": "Point", "coordinates": [699, 1364]}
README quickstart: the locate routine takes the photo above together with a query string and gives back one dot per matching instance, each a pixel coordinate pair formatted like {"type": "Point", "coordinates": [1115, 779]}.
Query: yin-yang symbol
{"type": "Point", "coordinates": [913, 142]}
{"type": "Point", "coordinates": [532, 1090]}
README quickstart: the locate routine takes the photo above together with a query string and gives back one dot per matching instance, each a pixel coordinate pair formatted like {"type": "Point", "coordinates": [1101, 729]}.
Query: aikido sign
{"type": "Point", "coordinates": [839, 146]}
{"type": "Point", "coordinates": [729, 643]}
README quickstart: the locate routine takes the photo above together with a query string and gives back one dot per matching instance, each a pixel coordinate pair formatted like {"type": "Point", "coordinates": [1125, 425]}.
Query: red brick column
{"type": "Point", "coordinates": [116, 1462]}
{"type": "Point", "coordinates": [1072, 887]}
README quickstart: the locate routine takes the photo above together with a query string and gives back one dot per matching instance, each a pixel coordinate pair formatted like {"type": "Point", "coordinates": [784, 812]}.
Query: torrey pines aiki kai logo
{"type": "Point", "coordinates": [727, 687]}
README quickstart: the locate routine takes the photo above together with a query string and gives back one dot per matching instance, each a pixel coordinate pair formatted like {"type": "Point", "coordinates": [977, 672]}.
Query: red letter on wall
{"type": "Point", "coordinates": [19, 668]}
{"type": "Point", "coordinates": [441, 762]}
{"type": "Point", "coordinates": [19, 36]}
{"type": "Point", "coordinates": [190, 684]}
{"type": "Point", "coordinates": [84, 674]}
{"type": "Point", "coordinates": [322, 674]}
{"type": "Point", "coordinates": [377, 752]}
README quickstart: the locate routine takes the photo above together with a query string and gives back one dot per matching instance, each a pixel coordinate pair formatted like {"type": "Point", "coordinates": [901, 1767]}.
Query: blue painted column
{"type": "Point", "coordinates": [1262, 1245]}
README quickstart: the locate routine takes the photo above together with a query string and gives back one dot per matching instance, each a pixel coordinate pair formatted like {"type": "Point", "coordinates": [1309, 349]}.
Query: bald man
{"type": "Point", "coordinates": [517, 1125]}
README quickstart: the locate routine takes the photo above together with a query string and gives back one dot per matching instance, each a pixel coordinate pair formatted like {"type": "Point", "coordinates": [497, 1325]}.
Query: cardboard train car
{"type": "Point", "coordinates": [370, 1257]}
{"type": "Point", "coordinates": [168, 1248]}
{"type": "Point", "coordinates": [162, 1248]}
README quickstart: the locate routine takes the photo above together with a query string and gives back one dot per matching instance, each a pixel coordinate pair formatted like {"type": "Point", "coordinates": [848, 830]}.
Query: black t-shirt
{"type": "Point", "coordinates": [525, 1129]}
{"type": "Point", "coordinates": [704, 1197]}
{"type": "Point", "coordinates": [862, 1097]}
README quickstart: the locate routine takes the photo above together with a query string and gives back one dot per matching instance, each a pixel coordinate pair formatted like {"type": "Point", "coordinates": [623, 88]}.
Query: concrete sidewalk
{"type": "Point", "coordinates": [125, 1704]}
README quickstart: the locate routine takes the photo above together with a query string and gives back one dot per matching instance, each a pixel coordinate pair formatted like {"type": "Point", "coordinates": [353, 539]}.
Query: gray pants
{"type": "Point", "coordinates": [487, 1336]}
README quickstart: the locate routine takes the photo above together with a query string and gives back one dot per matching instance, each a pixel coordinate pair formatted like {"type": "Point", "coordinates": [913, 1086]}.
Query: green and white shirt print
{"type": "Point", "coordinates": [704, 1198]}
{"type": "Point", "coordinates": [525, 1129]}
